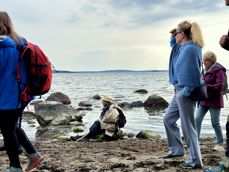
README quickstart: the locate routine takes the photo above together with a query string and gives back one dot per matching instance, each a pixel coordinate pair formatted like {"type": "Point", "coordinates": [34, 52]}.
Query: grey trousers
{"type": "Point", "coordinates": [182, 107]}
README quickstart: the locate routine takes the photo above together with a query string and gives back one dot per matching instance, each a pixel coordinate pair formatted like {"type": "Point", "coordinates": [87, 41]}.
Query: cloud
{"type": "Point", "coordinates": [109, 34]}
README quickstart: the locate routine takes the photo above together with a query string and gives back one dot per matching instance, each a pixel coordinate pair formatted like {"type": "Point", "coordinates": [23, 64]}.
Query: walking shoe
{"type": "Point", "coordinates": [34, 161]}
{"type": "Point", "coordinates": [14, 169]}
{"type": "Point", "coordinates": [75, 138]}
{"type": "Point", "coordinates": [219, 148]}
{"type": "Point", "coordinates": [167, 156]}
{"type": "Point", "coordinates": [83, 139]}
{"type": "Point", "coordinates": [185, 165]}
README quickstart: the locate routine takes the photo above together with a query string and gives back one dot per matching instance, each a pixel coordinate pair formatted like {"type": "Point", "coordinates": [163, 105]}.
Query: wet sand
{"type": "Point", "coordinates": [123, 155]}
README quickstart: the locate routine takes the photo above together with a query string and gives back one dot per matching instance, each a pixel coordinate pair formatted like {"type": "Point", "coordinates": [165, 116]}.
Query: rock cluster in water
{"type": "Point", "coordinates": [57, 117]}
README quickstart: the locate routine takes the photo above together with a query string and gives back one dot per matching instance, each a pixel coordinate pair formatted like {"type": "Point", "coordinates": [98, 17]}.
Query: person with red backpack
{"type": "Point", "coordinates": [11, 106]}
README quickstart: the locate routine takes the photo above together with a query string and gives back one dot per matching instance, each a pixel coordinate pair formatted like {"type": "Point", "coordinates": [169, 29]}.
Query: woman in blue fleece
{"type": "Point", "coordinates": [185, 75]}
{"type": "Point", "coordinates": [10, 105]}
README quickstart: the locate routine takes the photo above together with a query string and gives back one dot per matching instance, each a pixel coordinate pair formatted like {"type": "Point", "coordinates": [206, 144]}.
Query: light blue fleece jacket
{"type": "Point", "coordinates": [172, 60]}
{"type": "Point", "coordinates": [185, 66]}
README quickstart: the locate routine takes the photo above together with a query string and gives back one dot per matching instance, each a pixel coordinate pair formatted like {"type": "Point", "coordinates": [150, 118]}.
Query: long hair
{"type": "Point", "coordinates": [7, 28]}
{"type": "Point", "coordinates": [193, 32]}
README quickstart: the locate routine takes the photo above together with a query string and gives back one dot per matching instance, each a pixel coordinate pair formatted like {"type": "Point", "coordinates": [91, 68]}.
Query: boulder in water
{"type": "Point", "coordinates": [59, 97]}
{"type": "Point", "coordinates": [155, 102]}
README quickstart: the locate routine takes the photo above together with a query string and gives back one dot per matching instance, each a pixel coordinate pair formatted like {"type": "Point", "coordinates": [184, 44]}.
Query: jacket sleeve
{"type": "Point", "coordinates": [172, 41]}
{"type": "Point", "coordinates": [220, 77]}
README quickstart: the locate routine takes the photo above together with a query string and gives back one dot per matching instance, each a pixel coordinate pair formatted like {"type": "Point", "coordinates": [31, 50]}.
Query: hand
{"type": "Point", "coordinates": [224, 42]}
{"type": "Point", "coordinates": [186, 91]}
{"type": "Point", "coordinates": [173, 31]}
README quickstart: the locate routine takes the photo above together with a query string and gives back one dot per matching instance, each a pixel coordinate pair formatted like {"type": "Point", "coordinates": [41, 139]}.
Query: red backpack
{"type": "Point", "coordinates": [39, 72]}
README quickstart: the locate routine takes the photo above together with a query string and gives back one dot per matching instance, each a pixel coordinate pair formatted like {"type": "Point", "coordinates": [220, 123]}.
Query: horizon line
{"type": "Point", "coordinates": [112, 70]}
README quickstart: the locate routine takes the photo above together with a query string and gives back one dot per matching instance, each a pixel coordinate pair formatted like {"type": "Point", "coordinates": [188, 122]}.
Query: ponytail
{"type": "Point", "coordinates": [196, 35]}
{"type": "Point", "coordinates": [193, 32]}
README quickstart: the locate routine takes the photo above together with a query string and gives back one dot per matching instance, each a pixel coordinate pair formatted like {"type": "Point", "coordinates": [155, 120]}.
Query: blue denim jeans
{"type": "Point", "coordinates": [215, 121]}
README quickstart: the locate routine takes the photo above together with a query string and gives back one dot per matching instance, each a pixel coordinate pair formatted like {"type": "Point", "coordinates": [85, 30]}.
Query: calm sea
{"type": "Point", "coordinates": [121, 86]}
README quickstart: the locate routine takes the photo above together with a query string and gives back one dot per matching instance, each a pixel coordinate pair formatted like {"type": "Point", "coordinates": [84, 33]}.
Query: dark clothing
{"type": "Point", "coordinates": [24, 141]}
{"type": "Point", "coordinates": [225, 44]}
{"type": "Point", "coordinates": [22, 137]}
{"type": "Point", "coordinates": [96, 129]}
{"type": "Point", "coordinates": [9, 98]}
{"type": "Point", "coordinates": [8, 122]}
{"type": "Point", "coordinates": [227, 139]}
{"type": "Point", "coordinates": [214, 78]}
{"type": "Point", "coordinates": [105, 108]}
{"type": "Point", "coordinates": [96, 126]}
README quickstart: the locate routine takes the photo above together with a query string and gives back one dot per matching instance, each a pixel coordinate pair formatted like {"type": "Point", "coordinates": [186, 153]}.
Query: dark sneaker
{"type": "Point", "coordinates": [74, 138]}
{"type": "Point", "coordinates": [83, 139]}
{"type": "Point", "coordinates": [185, 165]}
{"type": "Point", "coordinates": [167, 156]}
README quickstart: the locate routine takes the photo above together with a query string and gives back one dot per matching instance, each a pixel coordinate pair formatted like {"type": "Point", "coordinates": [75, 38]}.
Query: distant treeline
{"type": "Point", "coordinates": [107, 71]}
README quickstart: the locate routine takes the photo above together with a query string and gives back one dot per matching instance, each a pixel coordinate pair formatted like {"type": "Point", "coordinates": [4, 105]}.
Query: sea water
{"type": "Point", "coordinates": [121, 86]}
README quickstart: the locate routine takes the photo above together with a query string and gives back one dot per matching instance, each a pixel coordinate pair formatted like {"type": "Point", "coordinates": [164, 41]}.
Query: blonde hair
{"type": "Point", "coordinates": [6, 27]}
{"type": "Point", "coordinates": [210, 55]}
{"type": "Point", "coordinates": [193, 32]}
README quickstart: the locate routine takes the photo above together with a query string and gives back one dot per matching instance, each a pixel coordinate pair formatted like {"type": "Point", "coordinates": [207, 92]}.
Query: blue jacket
{"type": "Point", "coordinates": [9, 55]}
{"type": "Point", "coordinates": [185, 63]}
{"type": "Point", "coordinates": [172, 60]}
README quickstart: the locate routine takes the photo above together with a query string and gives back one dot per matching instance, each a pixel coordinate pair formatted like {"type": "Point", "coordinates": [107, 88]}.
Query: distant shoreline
{"type": "Point", "coordinates": [107, 71]}
{"type": "Point", "coordinates": [110, 71]}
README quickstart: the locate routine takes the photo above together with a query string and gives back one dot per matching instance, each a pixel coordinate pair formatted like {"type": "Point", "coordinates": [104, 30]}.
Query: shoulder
{"type": "Point", "coordinates": [218, 68]}
{"type": "Point", "coordinates": [21, 42]}
{"type": "Point", "coordinates": [6, 41]}
{"type": "Point", "coordinates": [191, 50]}
{"type": "Point", "coordinates": [191, 47]}
{"type": "Point", "coordinates": [115, 106]}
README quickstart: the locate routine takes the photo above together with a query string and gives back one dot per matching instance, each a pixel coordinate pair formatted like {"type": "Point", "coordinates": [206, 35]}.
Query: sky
{"type": "Point", "coordinates": [91, 35]}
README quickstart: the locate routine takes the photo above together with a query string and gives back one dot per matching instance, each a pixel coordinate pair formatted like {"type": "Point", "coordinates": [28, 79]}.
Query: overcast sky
{"type": "Point", "coordinates": [85, 35]}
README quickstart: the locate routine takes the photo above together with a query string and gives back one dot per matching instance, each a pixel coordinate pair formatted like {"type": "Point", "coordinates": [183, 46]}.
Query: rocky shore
{"type": "Point", "coordinates": [56, 118]}
{"type": "Point", "coordinates": [122, 155]}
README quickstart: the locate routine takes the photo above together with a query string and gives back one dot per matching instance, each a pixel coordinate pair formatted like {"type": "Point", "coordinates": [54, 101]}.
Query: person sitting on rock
{"type": "Point", "coordinates": [106, 124]}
